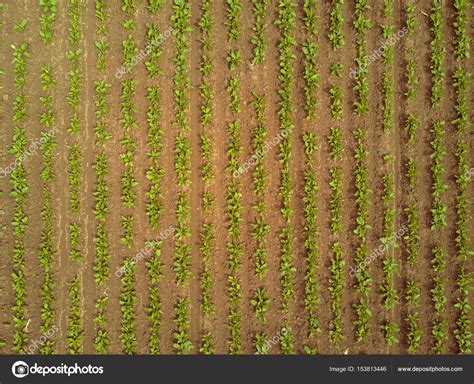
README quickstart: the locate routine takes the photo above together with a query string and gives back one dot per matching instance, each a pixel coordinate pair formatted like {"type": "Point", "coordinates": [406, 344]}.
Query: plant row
{"type": "Point", "coordinates": [182, 263]}
{"type": "Point", "coordinates": [47, 18]}
{"type": "Point", "coordinates": [310, 51]}
{"type": "Point", "coordinates": [335, 34]}
{"type": "Point", "coordinates": [363, 277]}
{"type": "Point", "coordinates": [207, 232]}
{"type": "Point", "coordinates": [311, 232]}
{"type": "Point", "coordinates": [75, 331]}
{"type": "Point", "coordinates": [47, 252]}
{"type": "Point", "coordinates": [461, 82]}
{"type": "Point", "coordinates": [412, 292]}
{"type": "Point", "coordinates": [260, 10]}
{"type": "Point", "coordinates": [260, 226]}
{"type": "Point", "coordinates": [181, 19]}
{"type": "Point", "coordinates": [390, 267]}
{"type": "Point", "coordinates": [19, 192]}
{"type": "Point", "coordinates": [362, 25]}
{"type": "Point", "coordinates": [286, 24]}
{"type": "Point", "coordinates": [438, 53]}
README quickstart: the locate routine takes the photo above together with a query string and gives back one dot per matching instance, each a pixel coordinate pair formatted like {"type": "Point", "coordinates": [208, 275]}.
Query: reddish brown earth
{"type": "Point", "coordinates": [262, 78]}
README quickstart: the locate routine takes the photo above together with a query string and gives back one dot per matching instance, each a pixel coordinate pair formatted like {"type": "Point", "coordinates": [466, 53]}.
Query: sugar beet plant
{"type": "Point", "coordinates": [362, 25]}
{"type": "Point", "coordinates": [286, 24]}
{"type": "Point", "coordinates": [182, 264]}
{"type": "Point", "coordinates": [75, 332]}
{"type": "Point", "coordinates": [128, 302]}
{"type": "Point", "coordinates": [101, 191]}
{"type": "Point", "coordinates": [102, 45]}
{"type": "Point", "coordinates": [260, 11]}
{"type": "Point", "coordinates": [234, 194]}
{"type": "Point", "coordinates": [390, 267]}
{"type": "Point", "coordinates": [154, 309]}
{"type": "Point", "coordinates": [336, 36]}
{"type": "Point", "coordinates": [260, 226]}
{"type": "Point", "coordinates": [180, 19]}
{"type": "Point", "coordinates": [47, 251]}
{"type": "Point", "coordinates": [462, 83]}
{"type": "Point", "coordinates": [363, 278]}
{"type": "Point", "coordinates": [128, 122]}
{"type": "Point", "coordinates": [336, 201]}
{"type": "Point", "coordinates": [154, 55]}
{"type": "Point", "coordinates": [311, 232]}
{"type": "Point", "coordinates": [73, 98]}
{"type": "Point", "coordinates": [155, 172]}
{"type": "Point", "coordinates": [310, 51]}
{"type": "Point", "coordinates": [412, 238]}
{"type": "Point", "coordinates": [438, 295]}
{"type": "Point", "coordinates": [438, 53]}
{"type": "Point", "coordinates": [182, 343]}
{"type": "Point", "coordinates": [438, 207]}
{"type": "Point", "coordinates": [233, 22]}
{"type": "Point", "coordinates": [128, 179]}
{"type": "Point", "coordinates": [47, 18]}
{"type": "Point", "coordinates": [100, 210]}
{"type": "Point", "coordinates": [19, 193]}
{"type": "Point", "coordinates": [207, 232]}
{"type": "Point", "coordinates": [462, 41]}
{"type": "Point", "coordinates": [411, 68]}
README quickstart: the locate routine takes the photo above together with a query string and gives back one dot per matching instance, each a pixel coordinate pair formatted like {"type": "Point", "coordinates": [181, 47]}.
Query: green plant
{"type": "Point", "coordinates": [260, 303]}
{"type": "Point", "coordinates": [154, 309]}
{"type": "Point", "coordinates": [336, 69]}
{"type": "Point", "coordinates": [310, 50]}
{"type": "Point", "coordinates": [101, 340]}
{"type": "Point", "coordinates": [260, 227]}
{"type": "Point", "coordinates": [336, 289]}
{"type": "Point", "coordinates": [233, 22]}
{"type": "Point", "coordinates": [207, 344]}
{"type": "Point", "coordinates": [336, 36]}
{"type": "Point", "coordinates": [260, 10]}
{"type": "Point", "coordinates": [182, 343]}
{"type": "Point", "coordinates": [363, 278]}
{"type": "Point", "coordinates": [102, 15]}
{"type": "Point", "coordinates": [438, 207]}
{"type": "Point", "coordinates": [362, 24]}
{"type": "Point", "coordinates": [128, 302]}
{"type": "Point", "coordinates": [311, 233]}
{"type": "Point", "coordinates": [155, 5]}
{"type": "Point", "coordinates": [47, 18]}
{"type": "Point", "coordinates": [391, 331]}
{"type": "Point", "coordinates": [155, 173]}
{"type": "Point", "coordinates": [127, 231]}
{"type": "Point", "coordinates": [438, 53]}
{"type": "Point", "coordinates": [21, 25]}
{"type": "Point", "coordinates": [462, 41]}
{"type": "Point", "coordinates": [234, 59]}
{"type": "Point", "coordinates": [75, 332]}
{"type": "Point", "coordinates": [19, 193]}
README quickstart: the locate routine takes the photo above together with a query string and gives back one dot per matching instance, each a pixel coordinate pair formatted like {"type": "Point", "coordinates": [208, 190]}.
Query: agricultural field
{"type": "Point", "coordinates": [236, 176]}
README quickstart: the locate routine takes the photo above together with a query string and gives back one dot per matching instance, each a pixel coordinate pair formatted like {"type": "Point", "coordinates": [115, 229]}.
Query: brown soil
{"type": "Point", "coordinates": [262, 78]}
